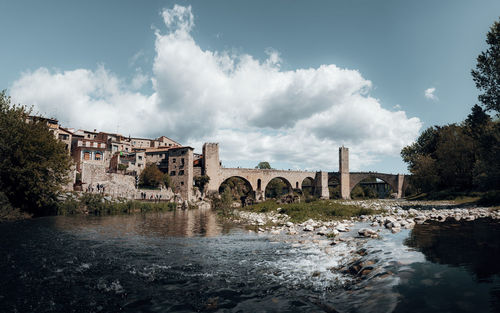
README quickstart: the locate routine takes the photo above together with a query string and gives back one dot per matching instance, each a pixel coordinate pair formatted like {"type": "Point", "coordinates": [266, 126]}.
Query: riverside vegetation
{"type": "Point", "coordinates": [97, 204]}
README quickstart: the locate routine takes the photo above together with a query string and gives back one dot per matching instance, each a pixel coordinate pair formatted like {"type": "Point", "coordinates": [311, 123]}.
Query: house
{"type": "Point", "coordinates": [88, 151]}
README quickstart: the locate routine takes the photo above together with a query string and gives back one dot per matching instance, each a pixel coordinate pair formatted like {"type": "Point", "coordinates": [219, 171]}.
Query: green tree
{"type": "Point", "coordinates": [441, 158]}
{"type": "Point", "coordinates": [151, 176]}
{"type": "Point", "coordinates": [33, 163]}
{"type": "Point", "coordinates": [167, 181]}
{"type": "Point", "coordinates": [455, 158]}
{"type": "Point", "coordinates": [487, 166]}
{"type": "Point", "coordinates": [263, 166]}
{"type": "Point", "coordinates": [201, 181]}
{"type": "Point", "coordinates": [487, 72]}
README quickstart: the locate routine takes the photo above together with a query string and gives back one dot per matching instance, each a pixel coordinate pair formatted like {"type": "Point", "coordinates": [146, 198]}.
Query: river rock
{"type": "Point", "coordinates": [289, 224]}
{"type": "Point", "coordinates": [420, 219]}
{"type": "Point", "coordinates": [366, 232]}
{"type": "Point", "coordinates": [341, 228]}
{"type": "Point", "coordinates": [322, 231]}
{"type": "Point", "coordinates": [395, 230]}
{"type": "Point", "coordinates": [308, 227]}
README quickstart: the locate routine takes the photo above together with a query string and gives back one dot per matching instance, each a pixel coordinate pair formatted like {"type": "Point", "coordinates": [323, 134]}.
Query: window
{"type": "Point", "coordinates": [181, 172]}
{"type": "Point", "coordinates": [174, 160]}
{"type": "Point", "coordinates": [98, 156]}
{"type": "Point", "coordinates": [182, 183]}
{"type": "Point", "coordinates": [182, 161]}
{"type": "Point", "coordinates": [86, 155]}
{"type": "Point", "coordinates": [140, 157]}
{"type": "Point", "coordinates": [172, 173]}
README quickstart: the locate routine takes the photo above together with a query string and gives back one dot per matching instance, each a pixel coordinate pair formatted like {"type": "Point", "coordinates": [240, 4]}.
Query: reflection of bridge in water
{"type": "Point", "coordinates": [258, 179]}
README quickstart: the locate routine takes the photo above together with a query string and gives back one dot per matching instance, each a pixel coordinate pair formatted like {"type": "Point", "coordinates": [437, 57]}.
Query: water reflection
{"type": "Point", "coordinates": [473, 245]}
{"type": "Point", "coordinates": [461, 274]}
{"type": "Point", "coordinates": [183, 223]}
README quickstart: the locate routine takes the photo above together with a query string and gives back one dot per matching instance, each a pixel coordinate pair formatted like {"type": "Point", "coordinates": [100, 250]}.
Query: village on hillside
{"type": "Point", "coordinates": [112, 163]}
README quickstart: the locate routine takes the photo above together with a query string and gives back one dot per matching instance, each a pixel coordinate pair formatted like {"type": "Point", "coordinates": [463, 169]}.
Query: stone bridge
{"type": "Point", "coordinates": [258, 179]}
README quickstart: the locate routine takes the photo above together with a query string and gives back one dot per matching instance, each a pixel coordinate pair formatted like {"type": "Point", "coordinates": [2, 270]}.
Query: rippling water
{"type": "Point", "coordinates": [188, 261]}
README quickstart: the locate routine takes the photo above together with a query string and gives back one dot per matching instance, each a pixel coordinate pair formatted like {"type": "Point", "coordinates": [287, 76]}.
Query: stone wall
{"type": "Point", "coordinates": [116, 185]}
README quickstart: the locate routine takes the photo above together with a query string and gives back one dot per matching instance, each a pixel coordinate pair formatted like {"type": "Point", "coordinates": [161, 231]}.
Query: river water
{"type": "Point", "coordinates": [188, 261]}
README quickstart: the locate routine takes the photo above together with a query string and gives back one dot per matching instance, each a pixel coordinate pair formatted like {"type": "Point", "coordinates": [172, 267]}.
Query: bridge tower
{"type": "Point", "coordinates": [344, 173]}
{"type": "Point", "coordinates": [211, 165]}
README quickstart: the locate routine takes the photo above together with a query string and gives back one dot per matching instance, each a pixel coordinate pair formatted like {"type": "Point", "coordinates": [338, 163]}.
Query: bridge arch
{"type": "Point", "coordinates": [307, 186]}
{"type": "Point", "coordinates": [289, 186]}
{"type": "Point", "coordinates": [233, 183]}
{"type": "Point", "coordinates": [356, 178]}
{"type": "Point", "coordinates": [334, 186]}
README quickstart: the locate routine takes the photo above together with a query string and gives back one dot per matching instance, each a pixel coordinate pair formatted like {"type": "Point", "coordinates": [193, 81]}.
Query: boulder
{"type": "Point", "coordinates": [341, 228]}
{"type": "Point", "coordinates": [367, 232]}
{"type": "Point", "coordinates": [308, 227]}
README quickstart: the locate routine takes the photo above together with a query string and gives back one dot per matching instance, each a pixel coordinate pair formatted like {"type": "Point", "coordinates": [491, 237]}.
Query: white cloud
{"type": "Point", "coordinates": [253, 108]}
{"type": "Point", "coordinates": [429, 94]}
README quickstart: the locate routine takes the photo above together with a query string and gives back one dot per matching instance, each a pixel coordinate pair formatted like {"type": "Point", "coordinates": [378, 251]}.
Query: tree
{"type": "Point", "coordinates": [201, 181]}
{"type": "Point", "coordinates": [487, 72]}
{"type": "Point", "coordinates": [263, 166]}
{"type": "Point", "coordinates": [33, 163]}
{"type": "Point", "coordinates": [151, 176]}
{"type": "Point", "coordinates": [442, 158]}
{"type": "Point", "coordinates": [167, 181]}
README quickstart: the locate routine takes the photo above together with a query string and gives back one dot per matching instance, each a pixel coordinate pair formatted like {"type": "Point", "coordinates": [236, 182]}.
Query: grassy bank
{"type": "Point", "coordinates": [95, 204]}
{"type": "Point", "coordinates": [323, 210]}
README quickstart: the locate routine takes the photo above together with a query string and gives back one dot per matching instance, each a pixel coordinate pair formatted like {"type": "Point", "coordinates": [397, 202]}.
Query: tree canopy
{"type": "Point", "coordinates": [263, 165]}
{"type": "Point", "coordinates": [487, 72]}
{"type": "Point", "coordinates": [151, 176]}
{"type": "Point", "coordinates": [33, 163]}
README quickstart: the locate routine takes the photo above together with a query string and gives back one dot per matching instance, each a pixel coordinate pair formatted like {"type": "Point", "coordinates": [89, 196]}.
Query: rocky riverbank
{"type": "Point", "coordinates": [394, 215]}
{"type": "Point", "coordinates": [350, 248]}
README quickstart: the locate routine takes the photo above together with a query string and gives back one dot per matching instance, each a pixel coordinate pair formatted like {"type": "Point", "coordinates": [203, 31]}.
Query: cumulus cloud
{"type": "Point", "coordinates": [253, 108]}
{"type": "Point", "coordinates": [429, 94]}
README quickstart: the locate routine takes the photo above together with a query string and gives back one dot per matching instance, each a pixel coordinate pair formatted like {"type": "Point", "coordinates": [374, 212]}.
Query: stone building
{"type": "Point", "coordinates": [180, 170]}
{"type": "Point", "coordinates": [164, 141]}
{"type": "Point", "coordinates": [88, 151]}
{"type": "Point", "coordinates": [66, 137]}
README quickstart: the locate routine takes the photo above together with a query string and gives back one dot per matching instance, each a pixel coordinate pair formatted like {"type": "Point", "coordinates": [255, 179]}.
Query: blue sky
{"type": "Point", "coordinates": [391, 51]}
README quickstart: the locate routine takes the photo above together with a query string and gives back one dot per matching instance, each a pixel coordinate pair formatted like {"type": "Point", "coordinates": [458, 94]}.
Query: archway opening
{"type": "Point", "coordinates": [334, 187]}
{"type": "Point", "coordinates": [277, 188]}
{"type": "Point", "coordinates": [308, 187]}
{"type": "Point", "coordinates": [372, 188]}
{"type": "Point", "coordinates": [239, 188]}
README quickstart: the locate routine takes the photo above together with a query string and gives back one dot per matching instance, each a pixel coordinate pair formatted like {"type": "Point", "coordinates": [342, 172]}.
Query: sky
{"type": "Point", "coordinates": [287, 82]}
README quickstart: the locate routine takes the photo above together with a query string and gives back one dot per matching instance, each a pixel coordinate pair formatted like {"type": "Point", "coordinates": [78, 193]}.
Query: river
{"type": "Point", "coordinates": [188, 261]}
